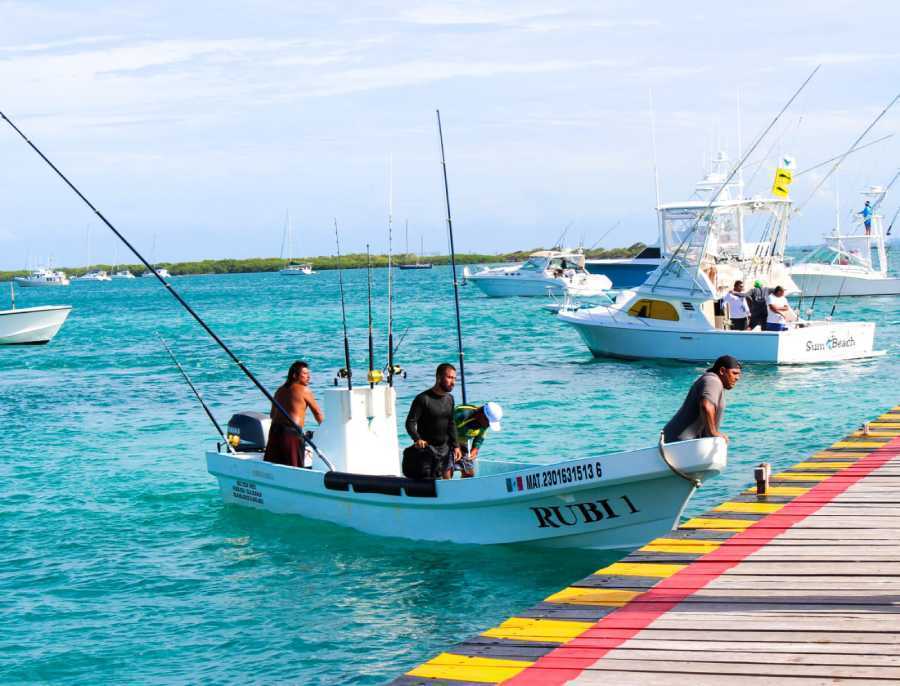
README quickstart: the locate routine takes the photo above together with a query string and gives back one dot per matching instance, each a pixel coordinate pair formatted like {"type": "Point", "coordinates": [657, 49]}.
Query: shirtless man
{"type": "Point", "coordinates": [285, 446]}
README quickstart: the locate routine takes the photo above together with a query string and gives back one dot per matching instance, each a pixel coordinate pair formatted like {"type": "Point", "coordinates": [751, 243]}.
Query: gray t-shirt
{"type": "Point", "coordinates": [688, 423]}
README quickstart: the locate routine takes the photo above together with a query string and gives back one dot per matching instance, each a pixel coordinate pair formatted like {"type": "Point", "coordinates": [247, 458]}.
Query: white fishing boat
{"type": "Point", "coordinates": [30, 325]}
{"type": "Point", "coordinates": [554, 272]}
{"type": "Point", "coordinates": [672, 314]}
{"type": "Point", "coordinates": [42, 277]}
{"type": "Point", "coordinates": [612, 500]}
{"type": "Point", "coordinates": [850, 264]}
{"type": "Point", "coordinates": [96, 275]}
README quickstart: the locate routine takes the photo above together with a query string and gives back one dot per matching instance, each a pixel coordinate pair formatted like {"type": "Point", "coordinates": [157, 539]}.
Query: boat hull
{"type": "Point", "coordinates": [814, 284]}
{"type": "Point", "coordinates": [31, 325]}
{"type": "Point", "coordinates": [604, 502]}
{"type": "Point", "coordinates": [819, 342]}
{"type": "Point", "coordinates": [512, 285]}
{"type": "Point", "coordinates": [25, 282]}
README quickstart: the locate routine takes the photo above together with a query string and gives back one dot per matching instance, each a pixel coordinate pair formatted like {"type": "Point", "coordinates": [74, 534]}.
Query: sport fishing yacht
{"type": "Point", "coordinates": [42, 277]}
{"type": "Point", "coordinates": [850, 264]}
{"type": "Point", "coordinates": [672, 314]}
{"type": "Point", "coordinates": [553, 272]}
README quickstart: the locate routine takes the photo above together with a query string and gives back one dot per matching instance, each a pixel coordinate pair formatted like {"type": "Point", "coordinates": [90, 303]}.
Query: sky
{"type": "Point", "coordinates": [195, 127]}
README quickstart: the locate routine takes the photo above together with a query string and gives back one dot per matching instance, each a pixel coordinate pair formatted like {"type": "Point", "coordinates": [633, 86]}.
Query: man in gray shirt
{"type": "Point", "coordinates": [701, 412]}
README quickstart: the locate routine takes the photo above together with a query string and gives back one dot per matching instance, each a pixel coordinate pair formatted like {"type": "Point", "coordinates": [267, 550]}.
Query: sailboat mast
{"type": "Point", "coordinates": [462, 355]}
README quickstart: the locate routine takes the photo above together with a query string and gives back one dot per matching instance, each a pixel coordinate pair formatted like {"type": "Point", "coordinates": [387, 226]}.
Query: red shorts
{"type": "Point", "coordinates": [285, 446]}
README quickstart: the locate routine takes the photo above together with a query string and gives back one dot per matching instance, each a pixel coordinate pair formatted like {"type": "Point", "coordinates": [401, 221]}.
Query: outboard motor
{"type": "Point", "coordinates": [248, 432]}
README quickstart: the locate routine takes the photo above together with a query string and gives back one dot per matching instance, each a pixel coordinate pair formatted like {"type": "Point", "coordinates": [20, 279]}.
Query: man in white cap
{"type": "Point", "coordinates": [472, 423]}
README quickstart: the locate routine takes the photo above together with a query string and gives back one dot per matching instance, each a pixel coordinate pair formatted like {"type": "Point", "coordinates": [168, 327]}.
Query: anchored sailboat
{"type": "Point", "coordinates": [292, 268]}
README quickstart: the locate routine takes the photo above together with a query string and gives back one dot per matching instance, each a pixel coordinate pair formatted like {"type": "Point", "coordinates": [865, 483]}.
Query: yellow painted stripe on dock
{"type": "Point", "coordinates": [754, 508]}
{"type": "Point", "coordinates": [858, 444]}
{"type": "Point", "coordinates": [714, 523]}
{"type": "Point", "coordinates": [884, 425]}
{"type": "Point", "coordinates": [640, 569]}
{"type": "Point", "coordinates": [843, 456]}
{"type": "Point", "coordinates": [877, 433]}
{"type": "Point", "coordinates": [807, 476]}
{"type": "Point", "coordinates": [781, 490]}
{"type": "Point", "coordinates": [610, 597]}
{"type": "Point", "coordinates": [485, 670]}
{"type": "Point", "coordinates": [822, 465]}
{"type": "Point", "coordinates": [527, 629]}
{"type": "Point", "coordinates": [680, 545]}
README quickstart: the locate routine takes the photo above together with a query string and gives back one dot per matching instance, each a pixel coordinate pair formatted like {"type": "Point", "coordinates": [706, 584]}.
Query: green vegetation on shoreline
{"type": "Point", "coordinates": [351, 261]}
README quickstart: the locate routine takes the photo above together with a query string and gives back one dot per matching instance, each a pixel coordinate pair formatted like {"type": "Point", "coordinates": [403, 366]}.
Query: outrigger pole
{"type": "Point", "coordinates": [462, 354]}
{"type": "Point", "coordinates": [349, 372]}
{"type": "Point", "coordinates": [196, 393]}
{"type": "Point", "coordinates": [371, 376]}
{"type": "Point", "coordinates": [168, 286]}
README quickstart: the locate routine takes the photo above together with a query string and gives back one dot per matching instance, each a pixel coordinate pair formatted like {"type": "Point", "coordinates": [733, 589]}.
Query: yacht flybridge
{"type": "Point", "coordinates": [850, 264]}
{"type": "Point", "coordinates": [612, 500]}
{"type": "Point", "coordinates": [672, 316]}
{"type": "Point", "coordinates": [557, 272]}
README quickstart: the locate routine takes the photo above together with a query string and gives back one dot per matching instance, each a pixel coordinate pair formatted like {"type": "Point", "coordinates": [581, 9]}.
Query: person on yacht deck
{"type": "Point", "coordinates": [700, 415]}
{"type": "Point", "coordinates": [430, 425]}
{"type": "Point", "coordinates": [758, 307]}
{"type": "Point", "coordinates": [472, 423]}
{"type": "Point", "coordinates": [779, 310]}
{"type": "Point", "coordinates": [286, 446]}
{"type": "Point", "coordinates": [738, 306]}
{"type": "Point", "coordinates": [866, 213]}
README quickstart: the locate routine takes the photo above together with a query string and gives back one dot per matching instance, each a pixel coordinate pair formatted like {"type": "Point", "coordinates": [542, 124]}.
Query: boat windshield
{"type": "Point", "coordinates": [534, 264]}
{"type": "Point", "coordinates": [828, 255]}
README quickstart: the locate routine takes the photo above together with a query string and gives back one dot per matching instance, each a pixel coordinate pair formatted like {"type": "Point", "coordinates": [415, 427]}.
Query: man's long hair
{"type": "Point", "coordinates": [294, 372]}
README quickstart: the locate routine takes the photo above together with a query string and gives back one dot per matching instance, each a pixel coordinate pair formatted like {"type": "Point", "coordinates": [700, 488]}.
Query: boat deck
{"type": "Point", "coordinates": [800, 586]}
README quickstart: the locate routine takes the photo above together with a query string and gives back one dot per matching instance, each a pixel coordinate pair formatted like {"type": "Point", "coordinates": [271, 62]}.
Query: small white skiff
{"type": "Point", "coordinates": [615, 500]}
{"type": "Point", "coordinates": [31, 325]}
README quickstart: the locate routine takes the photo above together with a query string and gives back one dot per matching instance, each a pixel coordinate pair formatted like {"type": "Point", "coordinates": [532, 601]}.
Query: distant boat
{"type": "Point", "coordinates": [98, 275]}
{"type": "Point", "coordinates": [31, 325]}
{"type": "Point", "coordinates": [123, 274]}
{"type": "Point", "coordinates": [162, 271]}
{"type": "Point", "coordinates": [292, 268]}
{"type": "Point", "coordinates": [553, 272]}
{"type": "Point", "coordinates": [42, 277]}
{"type": "Point", "coordinates": [416, 264]}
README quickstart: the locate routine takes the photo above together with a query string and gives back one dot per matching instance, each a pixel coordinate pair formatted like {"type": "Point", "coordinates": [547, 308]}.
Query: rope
{"type": "Point", "coordinates": [662, 453]}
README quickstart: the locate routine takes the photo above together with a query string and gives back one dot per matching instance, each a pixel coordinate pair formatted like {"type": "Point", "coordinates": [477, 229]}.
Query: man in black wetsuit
{"type": "Point", "coordinates": [430, 425]}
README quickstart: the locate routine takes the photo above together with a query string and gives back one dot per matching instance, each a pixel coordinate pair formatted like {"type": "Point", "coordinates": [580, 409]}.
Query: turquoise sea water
{"type": "Point", "coordinates": [120, 564]}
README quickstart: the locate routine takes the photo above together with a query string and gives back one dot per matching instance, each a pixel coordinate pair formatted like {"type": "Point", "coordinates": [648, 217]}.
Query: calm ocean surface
{"type": "Point", "coordinates": [120, 564]}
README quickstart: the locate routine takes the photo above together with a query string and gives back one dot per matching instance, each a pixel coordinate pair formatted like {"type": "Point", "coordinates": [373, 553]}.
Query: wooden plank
{"type": "Point", "coordinates": [612, 677]}
{"type": "Point", "coordinates": [798, 657]}
{"type": "Point", "coordinates": [781, 645]}
{"type": "Point", "coordinates": [763, 669]}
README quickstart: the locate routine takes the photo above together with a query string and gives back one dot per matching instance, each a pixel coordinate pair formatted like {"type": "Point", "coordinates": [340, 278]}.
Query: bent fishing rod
{"type": "Point", "coordinates": [196, 393]}
{"type": "Point", "coordinates": [212, 334]}
{"type": "Point", "coordinates": [347, 371]}
{"type": "Point", "coordinates": [462, 354]}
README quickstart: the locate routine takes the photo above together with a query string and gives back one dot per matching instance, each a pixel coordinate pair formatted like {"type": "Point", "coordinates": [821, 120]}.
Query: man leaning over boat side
{"type": "Point", "coordinates": [700, 415]}
{"type": "Point", "coordinates": [430, 425]}
{"type": "Point", "coordinates": [472, 423]}
{"type": "Point", "coordinates": [286, 446]}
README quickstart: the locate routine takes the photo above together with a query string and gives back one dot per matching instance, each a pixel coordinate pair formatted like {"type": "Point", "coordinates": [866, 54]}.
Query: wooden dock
{"type": "Point", "coordinates": [800, 586]}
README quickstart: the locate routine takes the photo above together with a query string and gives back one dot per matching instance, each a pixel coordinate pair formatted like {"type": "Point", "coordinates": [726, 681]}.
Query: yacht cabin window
{"type": "Point", "coordinates": [653, 309]}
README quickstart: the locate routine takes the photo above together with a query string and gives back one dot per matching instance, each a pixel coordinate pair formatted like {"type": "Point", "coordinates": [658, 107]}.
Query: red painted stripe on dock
{"type": "Point", "coordinates": [570, 660]}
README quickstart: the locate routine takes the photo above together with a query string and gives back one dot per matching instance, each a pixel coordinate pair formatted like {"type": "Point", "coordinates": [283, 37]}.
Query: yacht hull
{"type": "Point", "coordinates": [513, 285]}
{"type": "Point", "coordinates": [31, 325]}
{"type": "Point", "coordinates": [25, 282]}
{"type": "Point", "coordinates": [819, 342]}
{"type": "Point", "coordinates": [614, 501]}
{"type": "Point", "coordinates": [814, 284]}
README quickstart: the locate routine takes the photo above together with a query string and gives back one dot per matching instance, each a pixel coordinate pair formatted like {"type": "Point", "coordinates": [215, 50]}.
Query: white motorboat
{"type": "Point", "coordinates": [31, 325]}
{"type": "Point", "coordinates": [854, 264]}
{"type": "Point", "coordinates": [123, 274]}
{"type": "Point", "coordinates": [162, 271]}
{"type": "Point", "coordinates": [42, 277]}
{"type": "Point", "coordinates": [602, 501]}
{"type": "Point", "coordinates": [672, 314]}
{"type": "Point", "coordinates": [297, 269]}
{"type": "Point", "coordinates": [554, 272]}
{"type": "Point", "coordinates": [97, 275]}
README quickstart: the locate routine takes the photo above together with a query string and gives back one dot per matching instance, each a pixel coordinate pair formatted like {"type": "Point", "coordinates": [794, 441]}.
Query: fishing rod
{"type": "Point", "coordinates": [371, 376]}
{"type": "Point", "coordinates": [346, 371]}
{"type": "Point", "coordinates": [891, 225]}
{"type": "Point", "coordinates": [212, 334]}
{"type": "Point", "coordinates": [840, 290]}
{"type": "Point", "coordinates": [608, 231]}
{"type": "Point", "coordinates": [558, 243]}
{"type": "Point", "coordinates": [197, 393]}
{"type": "Point", "coordinates": [728, 179]}
{"type": "Point", "coordinates": [390, 284]}
{"type": "Point", "coordinates": [856, 149]}
{"type": "Point", "coordinates": [462, 354]}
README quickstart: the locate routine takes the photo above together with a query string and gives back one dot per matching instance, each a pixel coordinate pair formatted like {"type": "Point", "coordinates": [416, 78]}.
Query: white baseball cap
{"type": "Point", "coordinates": [494, 414]}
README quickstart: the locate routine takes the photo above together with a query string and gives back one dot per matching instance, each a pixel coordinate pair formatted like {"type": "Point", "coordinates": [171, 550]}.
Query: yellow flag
{"type": "Point", "coordinates": [782, 183]}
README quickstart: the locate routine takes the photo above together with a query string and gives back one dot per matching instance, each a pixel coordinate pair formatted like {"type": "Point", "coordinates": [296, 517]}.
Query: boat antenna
{"type": "Point", "coordinates": [728, 179]}
{"type": "Point", "coordinates": [371, 376]}
{"type": "Point", "coordinates": [197, 393]}
{"type": "Point", "coordinates": [212, 334]}
{"type": "Point", "coordinates": [346, 371]}
{"type": "Point", "coordinates": [841, 158]}
{"type": "Point", "coordinates": [462, 354]}
{"type": "Point", "coordinates": [655, 160]}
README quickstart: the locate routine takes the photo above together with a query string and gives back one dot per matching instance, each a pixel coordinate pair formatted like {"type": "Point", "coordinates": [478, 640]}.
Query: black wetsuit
{"type": "Point", "coordinates": [430, 419]}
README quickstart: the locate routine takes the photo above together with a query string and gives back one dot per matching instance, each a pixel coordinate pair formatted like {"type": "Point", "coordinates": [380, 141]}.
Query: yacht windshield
{"type": "Point", "coordinates": [829, 255]}
{"type": "Point", "coordinates": [533, 264]}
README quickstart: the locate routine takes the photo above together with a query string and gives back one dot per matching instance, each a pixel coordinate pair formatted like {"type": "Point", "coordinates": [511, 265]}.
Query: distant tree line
{"type": "Point", "coordinates": [350, 261]}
